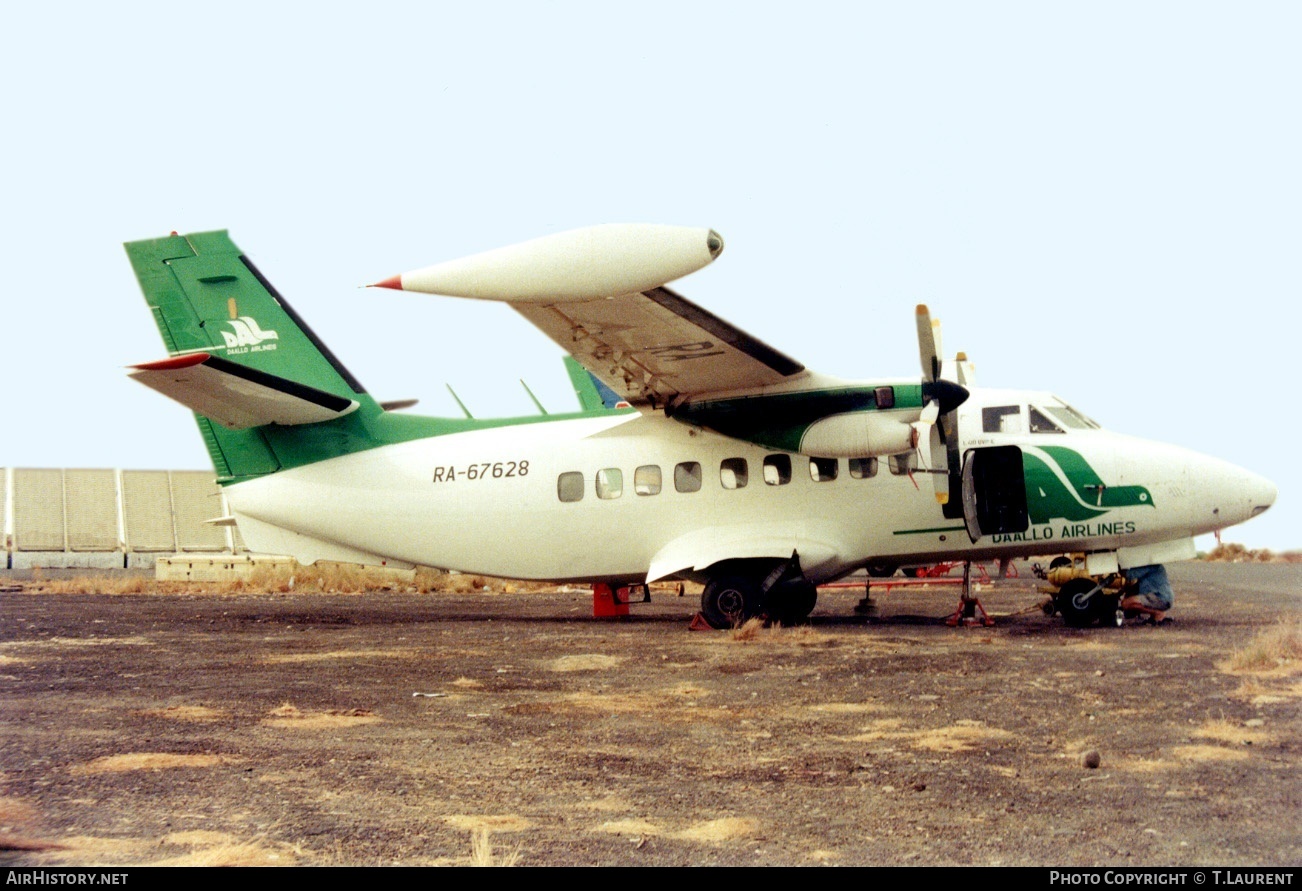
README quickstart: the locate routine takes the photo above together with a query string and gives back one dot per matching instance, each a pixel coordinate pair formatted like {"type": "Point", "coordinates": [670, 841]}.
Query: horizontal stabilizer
{"type": "Point", "coordinates": [237, 396]}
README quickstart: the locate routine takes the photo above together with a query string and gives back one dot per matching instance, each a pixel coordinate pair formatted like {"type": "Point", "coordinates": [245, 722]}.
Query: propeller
{"type": "Point", "coordinates": [935, 433]}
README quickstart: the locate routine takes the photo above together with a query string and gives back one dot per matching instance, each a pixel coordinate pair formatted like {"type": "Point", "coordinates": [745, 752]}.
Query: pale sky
{"type": "Point", "coordinates": [1098, 199]}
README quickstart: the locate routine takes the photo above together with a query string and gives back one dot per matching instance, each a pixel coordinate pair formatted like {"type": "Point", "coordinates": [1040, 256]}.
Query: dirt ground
{"type": "Point", "coordinates": [398, 728]}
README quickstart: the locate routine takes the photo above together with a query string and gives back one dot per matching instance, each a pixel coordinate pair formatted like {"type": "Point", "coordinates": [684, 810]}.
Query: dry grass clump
{"type": "Point", "coordinates": [332, 578]}
{"type": "Point", "coordinates": [751, 629]}
{"type": "Point", "coordinates": [148, 761]}
{"type": "Point", "coordinates": [320, 578]}
{"type": "Point", "coordinates": [1232, 733]}
{"type": "Point", "coordinates": [1277, 648]}
{"type": "Point", "coordinates": [290, 717]}
{"type": "Point", "coordinates": [481, 851]}
{"type": "Point", "coordinates": [102, 583]}
{"type": "Point", "coordinates": [1231, 552]}
{"type": "Point", "coordinates": [758, 629]}
{"type": "Point", "coordinates": [208, 848]}
{"type": "Point", "coordinates": [342, 578]}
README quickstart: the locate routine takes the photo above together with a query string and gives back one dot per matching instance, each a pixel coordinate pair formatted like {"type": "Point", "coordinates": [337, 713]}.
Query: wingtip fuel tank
{"type": "Point", "coordinates": [581, 264]}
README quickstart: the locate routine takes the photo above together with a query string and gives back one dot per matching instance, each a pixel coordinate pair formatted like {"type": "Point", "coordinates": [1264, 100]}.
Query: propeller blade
{"type": "Point", "coordinates": [935, 433]}
{"type": "Point", "coordinates": [923, 429]}
{"type": "Point", "coordinates": [966, 373]}
{"type": "Point", "coordinates": [930, 412]}
{"type": "Point", "coordinates": [928, 344]}
{"type": "Point", "coordinates": [940, 479]}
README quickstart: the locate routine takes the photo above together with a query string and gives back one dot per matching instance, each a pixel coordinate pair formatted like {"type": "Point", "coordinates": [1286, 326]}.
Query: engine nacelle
{"type": "Point", "coordinates": [860, 434]}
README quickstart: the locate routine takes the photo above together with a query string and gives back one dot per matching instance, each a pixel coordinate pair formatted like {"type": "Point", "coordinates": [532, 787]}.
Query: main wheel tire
{"type": "Point", "coordinates": [730, 600]}
{"type": "Point", "coordinates": [882, 570]}
{"type": "Point", "coordinates": [1080, 608]}
{"type": "Point", "coordinates": [791, 604]}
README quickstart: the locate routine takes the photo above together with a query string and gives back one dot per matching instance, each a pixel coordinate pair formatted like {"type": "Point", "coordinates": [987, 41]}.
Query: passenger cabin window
{"type": "Point", "coordinates": [1002, 419]}
{"type": "Point", "coordinates": [610, 483]}
{"type": "Point", "coordinates": [646, 480]}
{"type": "Point", "coordinates": [885, 397]}
{"type": "Point", "coordinates": [687, 476]}
{"type": "Point", "coordinates": [777, 470]}
{"type": "Point", "coordinates": [904, 463]}
{"type": "Point", "coordinates": [733, 473]}
{"type": "Point", "coordinates": [863, 468]}
{"type": "Point", "coordinates": [822, 470]}
{"type": "Point", "coordinates": [1041, 424]}
{"type": "Point", "coordinates": [569, 487]}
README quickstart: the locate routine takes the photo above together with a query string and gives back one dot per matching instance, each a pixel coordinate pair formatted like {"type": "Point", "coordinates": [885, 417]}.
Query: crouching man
{"type": "Point", "coordinates": [1148, 594]}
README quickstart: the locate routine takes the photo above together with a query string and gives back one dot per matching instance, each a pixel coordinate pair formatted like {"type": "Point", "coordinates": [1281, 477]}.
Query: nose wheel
{"type": "Point", "coordinates": [1084, 602]}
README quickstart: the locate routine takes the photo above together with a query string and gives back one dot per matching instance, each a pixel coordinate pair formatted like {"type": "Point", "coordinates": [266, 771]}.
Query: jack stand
{"type": "Point", "coordinates": [866, 607]}
{"type": "Point", "coordinates": [607, 602]}
{"type": "Point", "coordinates": [970, 612]}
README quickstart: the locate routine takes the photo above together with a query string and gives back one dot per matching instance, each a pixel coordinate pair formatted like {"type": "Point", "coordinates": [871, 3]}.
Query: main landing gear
{"type": "Point", "coordinates": [743, 589]}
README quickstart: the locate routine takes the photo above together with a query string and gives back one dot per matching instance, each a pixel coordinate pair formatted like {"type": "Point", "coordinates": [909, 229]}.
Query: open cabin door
{"type": "Point", "coordinates": [994, 492]}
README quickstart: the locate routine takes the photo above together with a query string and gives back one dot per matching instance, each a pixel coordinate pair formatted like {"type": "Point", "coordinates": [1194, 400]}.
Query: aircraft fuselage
{"type": "Point", "coordinates": [629, 497]}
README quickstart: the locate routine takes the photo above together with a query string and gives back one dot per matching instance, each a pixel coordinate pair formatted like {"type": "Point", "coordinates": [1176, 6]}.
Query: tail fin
{"type": "Point", "coordinates": [593, 394]}
{"type": "Point", "coordinates": [267, 393]}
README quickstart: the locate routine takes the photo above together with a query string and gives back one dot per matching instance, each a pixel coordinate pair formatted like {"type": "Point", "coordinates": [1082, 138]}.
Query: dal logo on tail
{"type": "Point", "coordinates": [246, 333]}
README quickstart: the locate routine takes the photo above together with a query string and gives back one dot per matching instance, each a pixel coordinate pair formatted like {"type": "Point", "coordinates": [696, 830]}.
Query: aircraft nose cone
{"type": "Point", "coordinates": [1239, 494]}
{"type": "Point", "coordinates": [1261, 494]}
{"type": "Point", "coordinates": [1208, 493]}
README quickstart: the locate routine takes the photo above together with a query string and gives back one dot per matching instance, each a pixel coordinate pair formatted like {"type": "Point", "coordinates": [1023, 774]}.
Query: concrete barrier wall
{"type": "Point", "coordinates": [39, 521]}
{"type": "Point", "coordinates": [147, 511]}
{"type": "Point", "coordinates": [90, 499]}
{"type": "Point", "coordinates": [103, 518]}
{"type": "Point", "coordinates": [5, 536]}
{"type": "Point", "coordinates": [196, 498]}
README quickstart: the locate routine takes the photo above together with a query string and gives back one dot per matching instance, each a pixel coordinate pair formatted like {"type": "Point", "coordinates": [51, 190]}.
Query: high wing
{"type": "Point", "coordinates": [599, 293]}
{"type": "Point", "coordinates": [653, 347]}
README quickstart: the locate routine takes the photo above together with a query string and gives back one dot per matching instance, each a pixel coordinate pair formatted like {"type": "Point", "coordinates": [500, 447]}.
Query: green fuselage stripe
{"type": "Point", "coordinates": [924, 531]}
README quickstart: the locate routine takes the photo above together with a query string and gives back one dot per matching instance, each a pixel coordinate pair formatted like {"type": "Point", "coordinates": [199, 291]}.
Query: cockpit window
{"type": "Point", "coordinates": [1002, 419]}
{"type": "Point", "coordinates": [1070, 417]}
{"type": "Point", "coordinates": [1040, 422]}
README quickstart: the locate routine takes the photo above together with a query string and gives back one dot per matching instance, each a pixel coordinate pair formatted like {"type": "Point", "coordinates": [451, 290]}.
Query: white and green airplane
{"type": "Point", "coordinates": [723, 461]}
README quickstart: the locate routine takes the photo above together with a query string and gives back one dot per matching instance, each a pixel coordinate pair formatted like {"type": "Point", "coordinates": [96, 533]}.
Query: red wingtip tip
{"type": "Point", "coordinates": [393, 282]}
{"type": "Point", "coordinates": [189, 360]}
